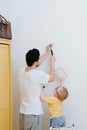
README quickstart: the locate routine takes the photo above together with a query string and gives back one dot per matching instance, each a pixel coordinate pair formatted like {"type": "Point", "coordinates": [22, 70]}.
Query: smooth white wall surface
{"type": "Point", "coordinates": [36, 23]}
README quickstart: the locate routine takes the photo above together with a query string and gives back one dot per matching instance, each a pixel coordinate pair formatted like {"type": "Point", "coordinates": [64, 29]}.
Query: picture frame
{"type": "Point", "coordinates": [61, 73]}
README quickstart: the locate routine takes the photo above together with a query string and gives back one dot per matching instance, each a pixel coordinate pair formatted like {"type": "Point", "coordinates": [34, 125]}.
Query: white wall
{"type": "Point", "coordinates": [36, 23]}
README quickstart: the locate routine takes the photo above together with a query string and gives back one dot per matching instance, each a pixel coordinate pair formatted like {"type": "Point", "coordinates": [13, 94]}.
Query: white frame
{"type": "Point", "coordinates": [64, 74]}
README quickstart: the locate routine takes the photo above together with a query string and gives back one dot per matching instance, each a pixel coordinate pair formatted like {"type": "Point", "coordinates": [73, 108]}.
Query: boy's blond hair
{"type": "Point", "coordinates": [63, 93]}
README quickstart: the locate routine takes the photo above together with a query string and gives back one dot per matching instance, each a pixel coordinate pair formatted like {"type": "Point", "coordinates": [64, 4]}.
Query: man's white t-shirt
{"type": "Point", "coordinates": [29, 90]}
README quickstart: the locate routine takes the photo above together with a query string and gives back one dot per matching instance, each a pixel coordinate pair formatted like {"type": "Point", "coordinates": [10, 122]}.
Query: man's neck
{"type": "Point", "coordinates": [28, 68]}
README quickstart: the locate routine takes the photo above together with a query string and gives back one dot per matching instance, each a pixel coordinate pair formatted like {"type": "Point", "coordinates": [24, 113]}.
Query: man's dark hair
{"type": "Point", "coordinates": [32, 56]}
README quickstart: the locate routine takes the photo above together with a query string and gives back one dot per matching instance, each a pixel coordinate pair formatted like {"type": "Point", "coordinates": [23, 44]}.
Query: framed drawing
{"type": "Point", "coordinates": [61, 73]}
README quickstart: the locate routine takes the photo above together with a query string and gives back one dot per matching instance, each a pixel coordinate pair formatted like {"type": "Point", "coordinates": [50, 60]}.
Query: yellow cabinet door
{"type": "Point", "coordinates": [5, 92]}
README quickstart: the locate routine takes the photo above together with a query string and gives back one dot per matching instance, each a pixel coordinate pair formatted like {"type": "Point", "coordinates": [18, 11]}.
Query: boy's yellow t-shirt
{"type": "Point", "coordinates": [55, 106]}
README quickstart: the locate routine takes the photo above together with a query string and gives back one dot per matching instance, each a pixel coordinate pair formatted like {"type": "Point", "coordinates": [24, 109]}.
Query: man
{"type": "Point", "coordinates": [30, 80]}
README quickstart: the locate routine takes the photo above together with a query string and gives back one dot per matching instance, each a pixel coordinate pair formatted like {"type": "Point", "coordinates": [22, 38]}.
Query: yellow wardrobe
{"type": "Point", "coordinates": [5, 85]}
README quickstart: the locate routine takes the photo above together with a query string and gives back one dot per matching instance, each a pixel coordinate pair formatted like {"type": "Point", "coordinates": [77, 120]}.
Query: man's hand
{"type": "Point", "coordinates": [49, 48]}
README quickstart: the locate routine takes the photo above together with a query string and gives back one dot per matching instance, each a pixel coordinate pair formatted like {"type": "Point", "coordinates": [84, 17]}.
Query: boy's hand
{"type": "Point", "coordinates": [62, 81]}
